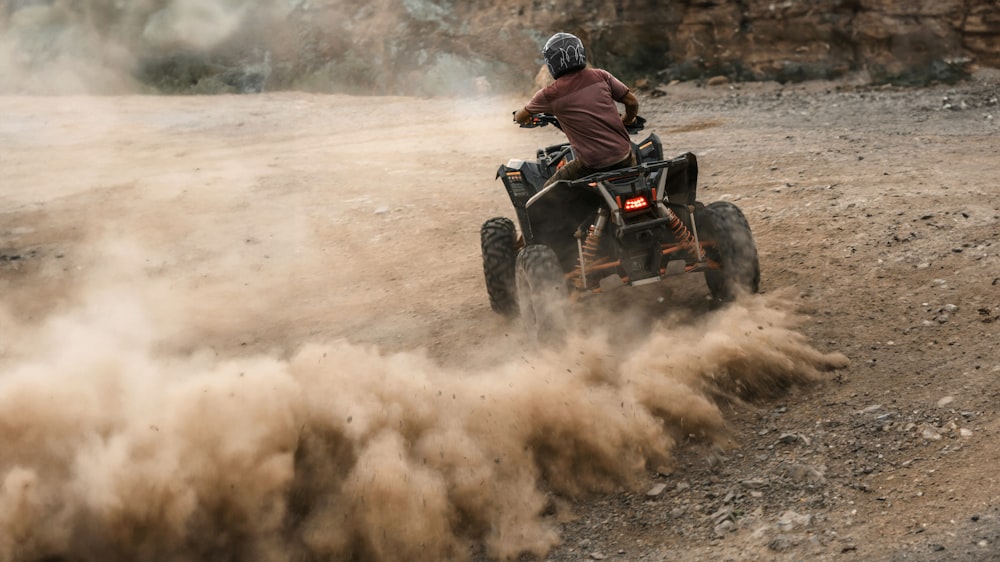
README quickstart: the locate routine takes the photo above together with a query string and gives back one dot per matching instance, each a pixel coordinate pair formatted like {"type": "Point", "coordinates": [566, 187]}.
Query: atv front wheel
{"type": "Point", "coordinates": [499, 243]}
{"type": "Point", "coordinates": [735, 251]}
{"type": "Point", "coordinates": [541, 292]}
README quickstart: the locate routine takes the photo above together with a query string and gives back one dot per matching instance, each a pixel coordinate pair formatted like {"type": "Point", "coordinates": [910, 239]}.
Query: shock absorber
{"type": "Point", "coordinates": [680, 231]}
{"type": "Point", "coordinates": [589, 246]}
{"type": "Point", "coordinates": [684, 236]}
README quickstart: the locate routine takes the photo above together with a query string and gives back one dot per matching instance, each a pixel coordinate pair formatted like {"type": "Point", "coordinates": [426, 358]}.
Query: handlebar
{"type": "Point", "coordinates": [541, 120]}
{"type": "Point", "coordinates": [544, 119]}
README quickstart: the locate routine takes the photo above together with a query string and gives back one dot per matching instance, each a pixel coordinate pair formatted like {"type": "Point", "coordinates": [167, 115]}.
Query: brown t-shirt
{"type": "Point", "coordinates": [584, 103]}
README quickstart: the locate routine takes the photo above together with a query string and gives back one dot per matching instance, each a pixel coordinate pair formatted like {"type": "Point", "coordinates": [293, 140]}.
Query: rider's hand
{"type": "Point", "coordinates": [521, 116]}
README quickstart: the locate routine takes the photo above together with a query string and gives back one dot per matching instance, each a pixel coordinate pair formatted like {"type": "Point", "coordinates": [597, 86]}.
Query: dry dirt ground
{"type": "Point", "coordinates": [254, 225]}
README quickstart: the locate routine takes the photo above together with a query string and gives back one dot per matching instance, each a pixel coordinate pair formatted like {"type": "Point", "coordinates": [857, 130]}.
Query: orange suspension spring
{"type": "Point", "coordinates": [589, 247]}
{"type": "Point", "coordinates": [684, 236]}
{"type": "Point", "coordinates": [591, 244]}
{"type": "Point", "coordinates": [588, 251]}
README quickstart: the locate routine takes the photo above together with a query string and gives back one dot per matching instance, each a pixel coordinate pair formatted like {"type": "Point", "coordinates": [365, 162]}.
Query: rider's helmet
{"type": "Point", "coordinates": [563, 53]}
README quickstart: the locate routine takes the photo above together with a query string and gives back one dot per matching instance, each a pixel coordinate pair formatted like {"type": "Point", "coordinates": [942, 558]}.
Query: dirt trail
{"type": "Point", "coordinates": [156, 254]}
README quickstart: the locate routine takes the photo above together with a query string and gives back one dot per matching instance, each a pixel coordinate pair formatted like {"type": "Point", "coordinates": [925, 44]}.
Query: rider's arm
{"type": "Point", "coordinates": [631, 104]}
{"type": "Point", "coordinates": [522, 116]}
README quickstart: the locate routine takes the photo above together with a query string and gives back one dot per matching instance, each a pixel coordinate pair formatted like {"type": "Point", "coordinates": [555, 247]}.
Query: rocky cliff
{"type": "Point", "coordinates": [443, 46]}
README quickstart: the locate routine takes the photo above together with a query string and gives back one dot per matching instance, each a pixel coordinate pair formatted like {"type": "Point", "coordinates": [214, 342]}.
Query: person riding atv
{"type": "Point", "coordinates": [583, 100]}
{"type": "Point", "coordinates": [600, 211]}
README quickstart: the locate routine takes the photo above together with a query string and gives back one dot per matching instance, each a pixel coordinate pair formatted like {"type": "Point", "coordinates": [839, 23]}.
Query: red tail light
{"type": "Point", "coordinates": [636, 204]}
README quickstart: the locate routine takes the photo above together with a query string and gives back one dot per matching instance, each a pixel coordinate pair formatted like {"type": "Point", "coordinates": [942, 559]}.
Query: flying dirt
{"type": "Point", "coordinates": [256, 327]}
{"type": "Point", "coordinates": [249, 328]}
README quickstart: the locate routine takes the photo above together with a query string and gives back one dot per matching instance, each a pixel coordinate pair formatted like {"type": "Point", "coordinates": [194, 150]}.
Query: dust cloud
{"type": "Point", "coordinates": [100, 46]}
{"type": "Point", "coordinates": [119, 447]}
{"type": "Point", "coordinates": [137, 427]}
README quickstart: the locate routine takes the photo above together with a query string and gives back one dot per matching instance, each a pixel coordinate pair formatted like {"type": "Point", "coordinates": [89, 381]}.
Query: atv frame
{"type": "Point", "coordinates": [627, 226]}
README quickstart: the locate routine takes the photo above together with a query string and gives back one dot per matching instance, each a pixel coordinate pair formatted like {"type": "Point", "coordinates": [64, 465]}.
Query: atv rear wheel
{"type": "Point", "coordinates": [735, 251]}
{"type": "Point", "coordinates": [541, 291]}
{"type": "Point", "coordinates": [499, 243]}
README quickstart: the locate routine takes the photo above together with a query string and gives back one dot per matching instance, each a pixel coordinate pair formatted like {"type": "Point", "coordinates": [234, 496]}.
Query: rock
{"type": "Point", "coordinates": [656, 490]}
{"type": "Point", "coordinates": [724, 513]}
{"type": "Point", "coordinates": [681, 486]}
{"type": "Point", "coordinates": [597, 556]}
{"type": "Point", "coordinates": [788, 438]}
{"type": "Point", "coordinates": [790, 520]}
{"type": "Point", "coordinates": [931, 434]}
{"type": "Point", "coordinates": [717, 81]}
{"type": "Point", "coordinates": [965, 432]}
{"type": "Point", "coordinates": [781, 543]}
{"type": "Point", "coordinates": [945, 401]}
{"type": "Point", "coordinates": [805, 474]}
{"type": "Point", "coordinates": [724, 528]}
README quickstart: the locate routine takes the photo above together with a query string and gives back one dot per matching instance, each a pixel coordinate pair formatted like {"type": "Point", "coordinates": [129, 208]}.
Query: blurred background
{"type": "Point", "coordinates": [451, 47]}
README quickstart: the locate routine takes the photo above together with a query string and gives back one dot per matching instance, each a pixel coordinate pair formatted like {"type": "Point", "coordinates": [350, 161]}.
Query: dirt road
{"type": "Point", "coordinates": [255, 328]}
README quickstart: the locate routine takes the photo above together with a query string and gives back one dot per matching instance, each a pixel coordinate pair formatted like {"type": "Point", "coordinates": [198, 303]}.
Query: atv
{"type": "Point", "coordinates": [630, 226]}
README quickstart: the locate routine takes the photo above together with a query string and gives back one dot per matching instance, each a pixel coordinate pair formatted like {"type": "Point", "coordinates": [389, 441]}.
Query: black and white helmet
{"type": "Point", "coordinates": [563, 52]}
